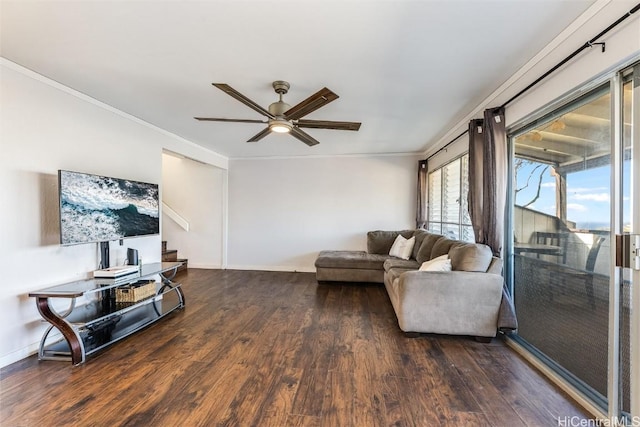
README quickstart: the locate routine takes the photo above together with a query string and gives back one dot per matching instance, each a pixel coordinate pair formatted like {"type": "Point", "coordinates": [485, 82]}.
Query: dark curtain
{"type": "Point", "coordinates": [476, 174]}
{"type": "Point", "coordinates": [488, 193]}
{"type": "Point", "coordinates": [422, 200]}
{"type": "Point", "coordinates": [495, 179]}
{"type": "Point", "coordinates": [488, 178]}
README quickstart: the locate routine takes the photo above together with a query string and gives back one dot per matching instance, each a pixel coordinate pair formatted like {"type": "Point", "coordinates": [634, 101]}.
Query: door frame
{"type": "Point", "coordinates": [635, 277]}
{"type": "Point", "coordinates": [614, 402]}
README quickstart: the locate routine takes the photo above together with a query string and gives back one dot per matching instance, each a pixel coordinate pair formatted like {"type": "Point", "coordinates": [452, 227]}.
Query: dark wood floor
{"type": "Point", "coordinates": [277, 349]}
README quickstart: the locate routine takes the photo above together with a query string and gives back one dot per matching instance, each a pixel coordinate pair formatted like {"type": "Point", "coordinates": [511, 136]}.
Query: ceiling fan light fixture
{"type": "Point", "coordinates": [280, 126]}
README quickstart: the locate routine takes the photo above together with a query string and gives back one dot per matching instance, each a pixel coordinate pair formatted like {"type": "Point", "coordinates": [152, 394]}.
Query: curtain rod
{"type": "Point", "coordinates": [444, 147]}
{"type": "Point", "coordinates": [589, 44]}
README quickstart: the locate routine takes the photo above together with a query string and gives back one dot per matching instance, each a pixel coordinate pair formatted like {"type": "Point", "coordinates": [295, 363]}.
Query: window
{"type": "Point", "coordinates": [448, 211]}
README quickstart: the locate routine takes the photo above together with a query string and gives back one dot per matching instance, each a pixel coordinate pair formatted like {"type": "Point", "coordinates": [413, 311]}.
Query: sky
{"type": "Point", "coordinates": [588, 195]}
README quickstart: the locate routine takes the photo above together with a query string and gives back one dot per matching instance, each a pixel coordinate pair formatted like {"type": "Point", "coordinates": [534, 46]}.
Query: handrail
{"type": "Point", "coordinates": [175, 216]}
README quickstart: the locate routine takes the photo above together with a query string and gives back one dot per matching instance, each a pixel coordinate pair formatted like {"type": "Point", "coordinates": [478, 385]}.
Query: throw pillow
{"type": "Point", "coordinates": [402, 247]}
{"type": "Point", "coordinates": [471, 257]}
{"type": "Point", "coordinates": [441, 263]}
{"type": "Point", "coordinates": [380, 242]}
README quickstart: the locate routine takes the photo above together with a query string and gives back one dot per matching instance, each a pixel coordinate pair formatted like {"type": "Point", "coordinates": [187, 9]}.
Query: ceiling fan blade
{"type": "Point", "coordinates": [304, 137]}
{"type": "Point", "coordinates": [312, 103]}
{"type": "Point", "coordinates": [240, 97]}
{"type": "Point", "coordinates": [215, 119]}
{"type": "Point", "coordinates": [328, 124]}
{"type": "Point", "coordinates": [257, 137]}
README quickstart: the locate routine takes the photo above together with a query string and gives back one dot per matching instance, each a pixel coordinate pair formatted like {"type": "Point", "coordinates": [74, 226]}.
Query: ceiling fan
{"type": "Point", "coordinates": [283, 118]}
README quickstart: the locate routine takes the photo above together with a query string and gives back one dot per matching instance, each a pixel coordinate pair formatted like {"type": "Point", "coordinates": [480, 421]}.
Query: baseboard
{"type": "Point", "coordinates": [205, 266]}
{"type": "Point", "coordinates": [287, 268]}
{"type": "Point", "coordinates": [18, 355]}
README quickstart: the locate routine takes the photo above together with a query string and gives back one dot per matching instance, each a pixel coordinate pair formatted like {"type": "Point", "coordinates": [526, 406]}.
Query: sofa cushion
{"type": "Point", "coordinates": [400, 263]}
{"type": "Point", "coordinates": [441, 263]}
{"type": "Point", "coordinates": [380, 241]}
{"type": "Point", "coordinates": [353, 275]}
{"type": "Point", "coordinates": [424, 252]}
{"type": "Point", "coordinates": [351, 259]}
{"type": "Point", "coordinates": [402, 248]}
{"type": "Point", "coordinates": [394, 273]}
{"type": "Point", "coordinates": [470, 257]}
{"type": "Point", "coordinates": [419, 235]}
{"type": "Point", "coordinates": [495, 266]}
{"type": "Point", "coordinates": [442, 246]}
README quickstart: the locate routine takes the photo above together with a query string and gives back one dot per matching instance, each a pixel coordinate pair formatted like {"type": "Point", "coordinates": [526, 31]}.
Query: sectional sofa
{"type": "Point", "coordinates": [439, 285]}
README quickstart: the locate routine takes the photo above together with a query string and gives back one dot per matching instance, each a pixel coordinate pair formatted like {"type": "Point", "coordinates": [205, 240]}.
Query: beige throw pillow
{"type": "Point", "coordinates": [441, 263]}
{"type": "Point", "coordinates": [471, 257]}
{"type": "Point", "coordinates": [402, 247]}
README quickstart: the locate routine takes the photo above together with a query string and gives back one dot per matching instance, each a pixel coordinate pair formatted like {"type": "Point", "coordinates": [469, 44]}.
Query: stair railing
{"type": "Point", "coordinates": [175, 216]}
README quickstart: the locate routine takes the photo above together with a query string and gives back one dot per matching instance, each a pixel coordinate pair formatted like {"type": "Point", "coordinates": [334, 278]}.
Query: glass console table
{"type": "Point", "coordinates": [98, 320]}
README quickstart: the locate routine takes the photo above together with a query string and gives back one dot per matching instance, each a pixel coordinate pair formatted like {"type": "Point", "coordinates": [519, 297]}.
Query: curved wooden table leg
{"type": "Point", "coordinates": [72, 337]}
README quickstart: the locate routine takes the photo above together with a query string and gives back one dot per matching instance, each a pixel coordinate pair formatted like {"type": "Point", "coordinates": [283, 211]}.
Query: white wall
{"type": "Point", "coordinates": [45, 127]}
{"type": "Point", "coordinates": [195, 191]}
{"type": "Point", "coordinates": [282, 212]}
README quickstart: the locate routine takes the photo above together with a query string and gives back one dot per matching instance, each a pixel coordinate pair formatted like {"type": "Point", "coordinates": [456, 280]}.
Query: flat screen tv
{"type": "Point", "coordinates": [98, 208]}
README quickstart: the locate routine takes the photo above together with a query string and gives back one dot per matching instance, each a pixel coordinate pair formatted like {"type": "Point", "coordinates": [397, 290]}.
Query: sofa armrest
{"type": "Point", "coordinates": [455, 302]}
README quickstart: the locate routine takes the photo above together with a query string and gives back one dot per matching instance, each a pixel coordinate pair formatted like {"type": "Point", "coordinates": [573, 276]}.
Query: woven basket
{"type": "Point", "coordinates": [135, 292]}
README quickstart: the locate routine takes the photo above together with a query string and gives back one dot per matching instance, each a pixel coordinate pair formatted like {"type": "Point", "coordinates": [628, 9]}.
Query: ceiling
{"type": "Point", "coordinates": [408, 70]}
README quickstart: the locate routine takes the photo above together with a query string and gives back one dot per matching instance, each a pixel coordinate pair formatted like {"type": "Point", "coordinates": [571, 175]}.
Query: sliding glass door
{"type": "Point", "coordinates": [574, 205]}
{"type": "Point", "coordinates": [562, 245]}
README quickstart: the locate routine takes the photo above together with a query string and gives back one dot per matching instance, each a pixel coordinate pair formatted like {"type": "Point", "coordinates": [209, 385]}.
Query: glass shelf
{"type": "Point", "coordinates": [83, 287]}
{"type": "Point", "coordinates": [104, 308]}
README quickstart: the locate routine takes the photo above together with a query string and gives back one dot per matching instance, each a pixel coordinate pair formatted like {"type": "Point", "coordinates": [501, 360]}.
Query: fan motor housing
{"type": "Point", "coordinates": [278, 108]}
